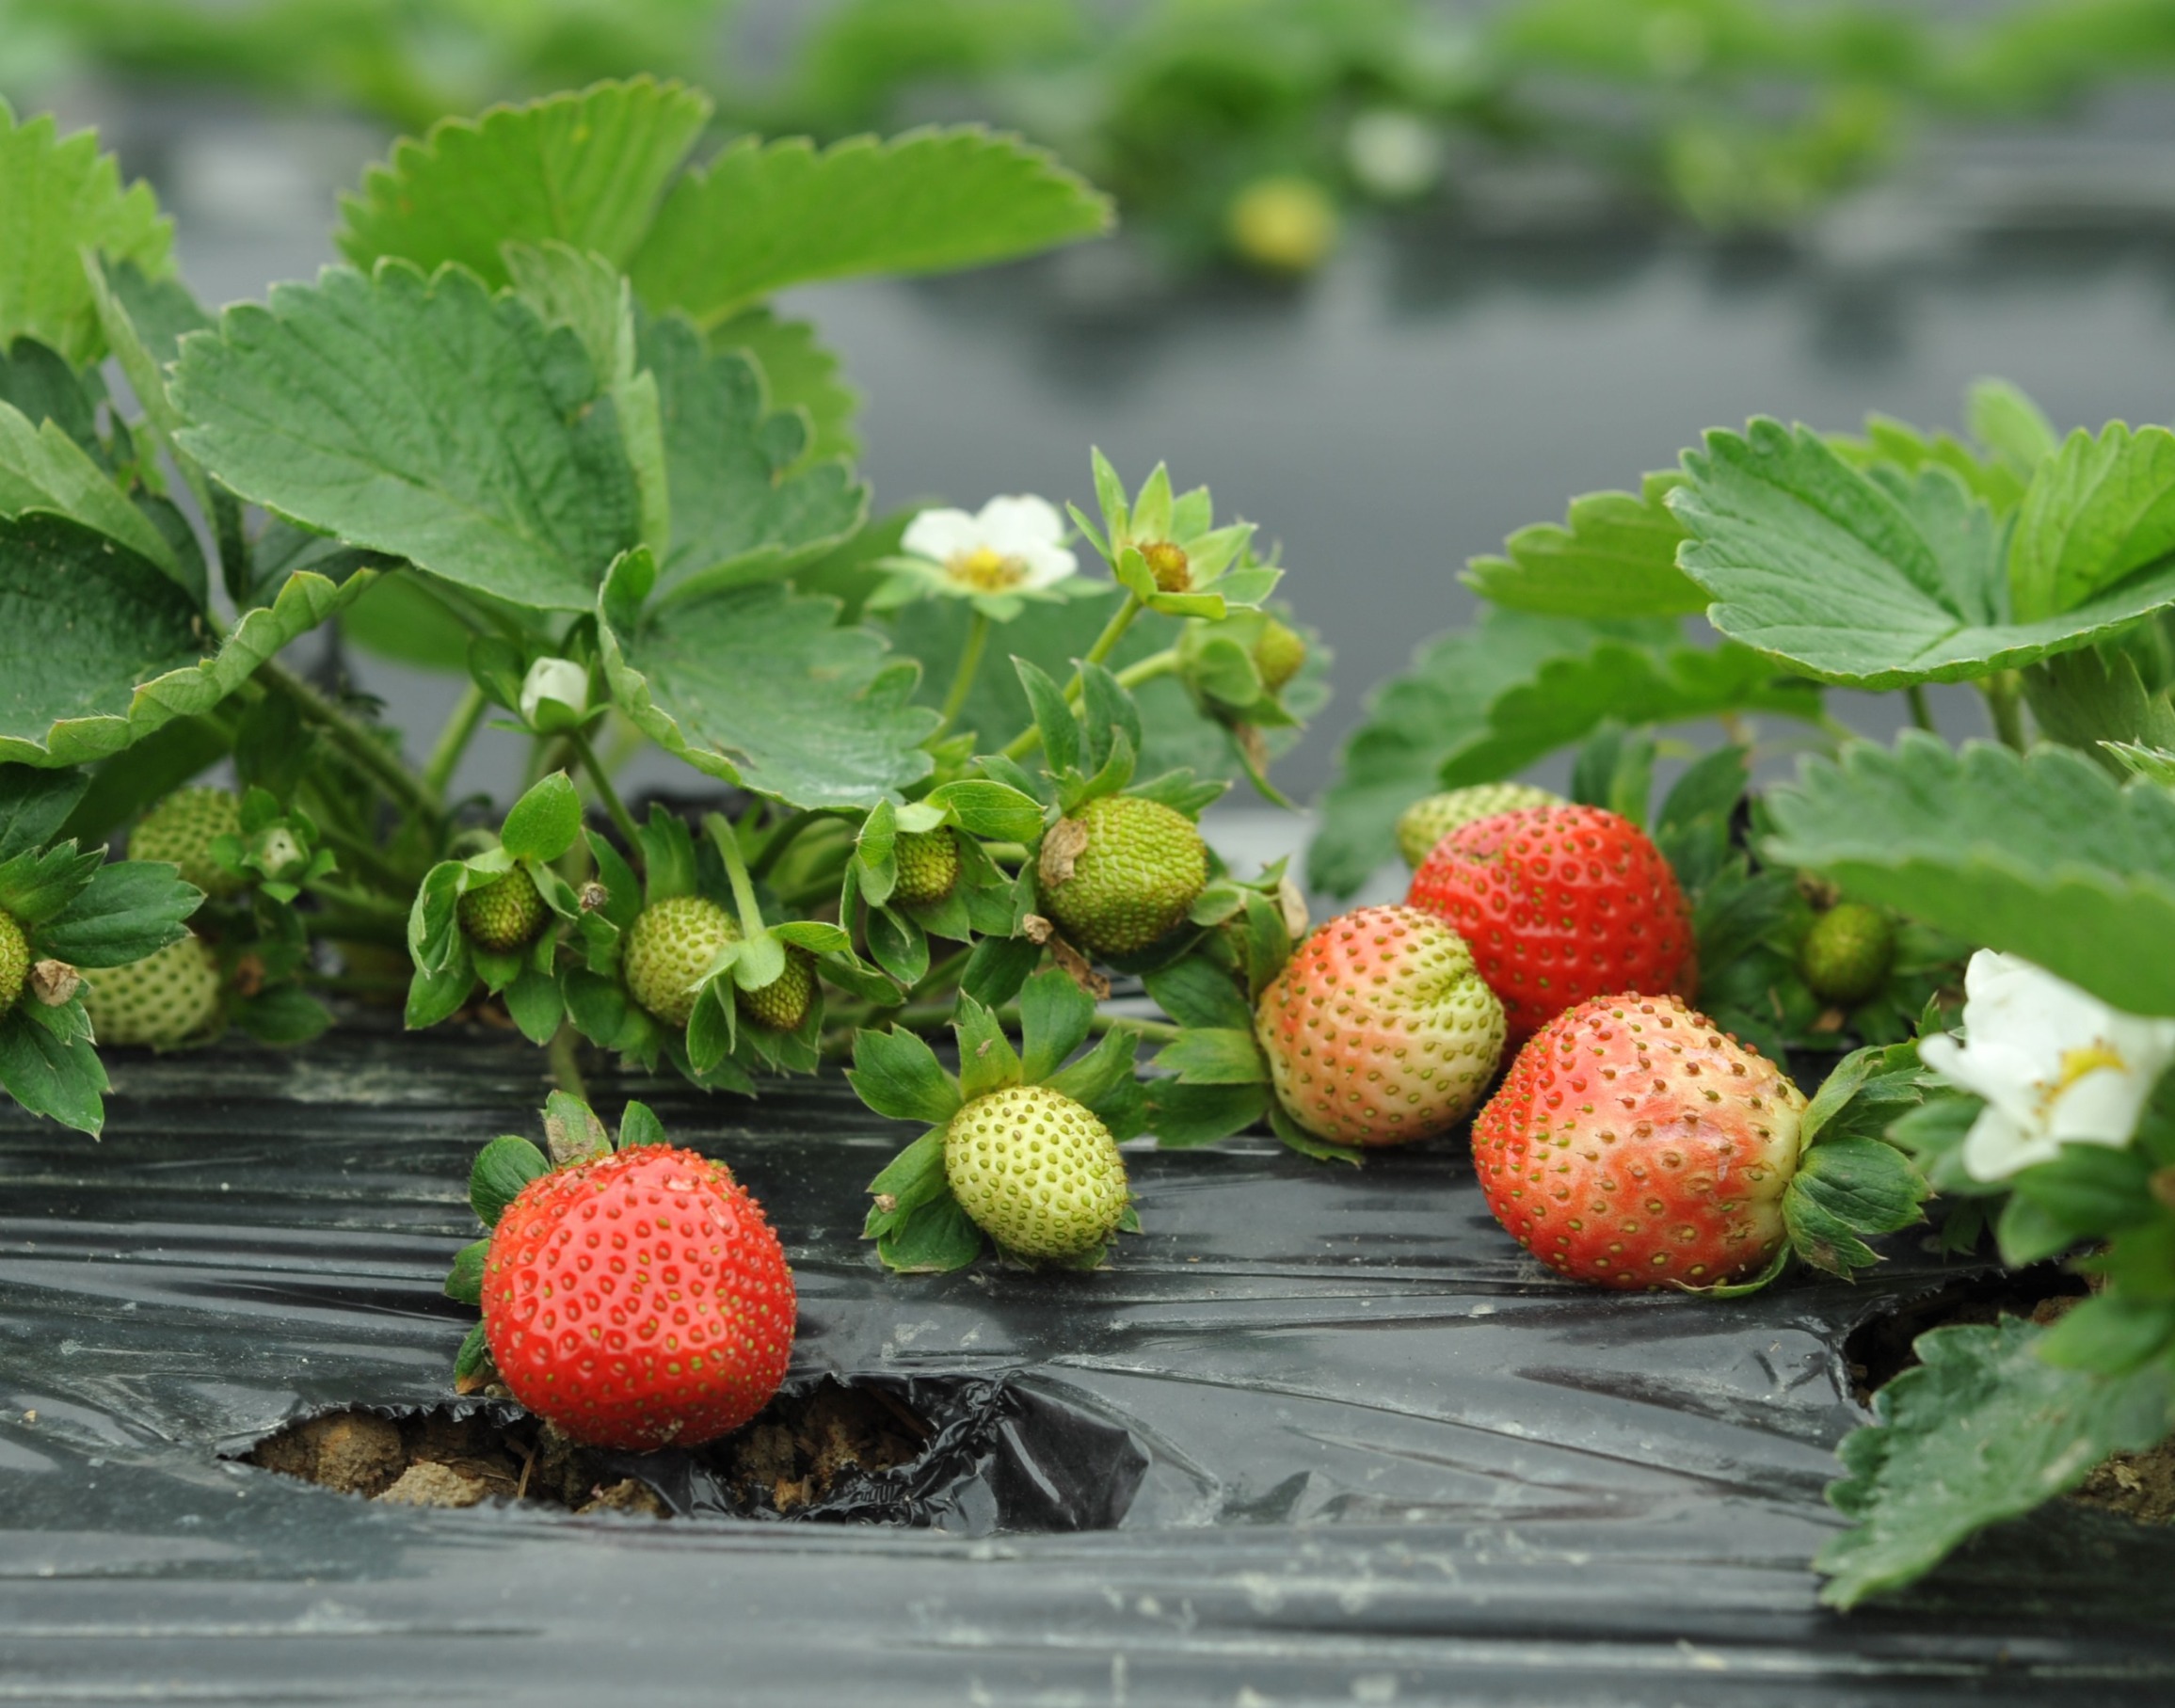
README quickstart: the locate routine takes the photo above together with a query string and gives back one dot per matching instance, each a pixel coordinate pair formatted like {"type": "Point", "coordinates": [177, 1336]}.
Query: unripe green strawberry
{"type": "Point", "coordinates": [1431, 818]}
{"type": "Point", "coordinates": [1168, 563]}
{"type": "Point", "coordinates": [928, 864]}
{"type": "Point", "coordinates": [180, 830]}
{"type": "Point", "coordinates": [1037, 1173]}
{"type": "Point", "coordinates": [14, 961]}
{"type": "Point", "coordinates": [1380, 1029]}
{"type": "Point", "coordinates": [504, 914]}
{"type": "Point", "coordinates": [1122, 872]}
{"type": "Point", "coordinates": [671, 945]}
{"type": "Point", "coordinates": [783, 1003]}
{"type": "Point", "coordinates": [1278, 654]}
{"type": "Point", "coordinates": [1846, 956]}
{"type": "Point", "coordinates": [160, 1000]}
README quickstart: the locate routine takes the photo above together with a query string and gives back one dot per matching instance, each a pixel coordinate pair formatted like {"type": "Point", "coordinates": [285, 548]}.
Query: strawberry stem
{"type": "Point", "coordinates": [600, 779]}
{"type": "Point", "coordinates": [962, 678]}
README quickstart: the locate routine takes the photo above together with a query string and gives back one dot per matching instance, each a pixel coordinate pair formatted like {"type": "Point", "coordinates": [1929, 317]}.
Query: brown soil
{"type": "Point", "coordinates": [2140, 1486]}
{"type": "Point", "coordinates": [796, 1453]}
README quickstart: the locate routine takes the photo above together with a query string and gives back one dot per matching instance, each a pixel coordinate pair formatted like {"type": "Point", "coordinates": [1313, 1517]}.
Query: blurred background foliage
{"type": "Point", "coordinates": [1246, 126]}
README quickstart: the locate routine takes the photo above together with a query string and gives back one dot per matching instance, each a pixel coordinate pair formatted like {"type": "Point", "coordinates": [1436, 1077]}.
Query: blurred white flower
{"type": "Point", "coordinates": [1010, 545]}
{"type": "Point", "coordinates": [1394, 155]}
{"type": "Point", "coordinates": [554, 694]}
{"type": "Point", "coordinates": [2055, 1065]}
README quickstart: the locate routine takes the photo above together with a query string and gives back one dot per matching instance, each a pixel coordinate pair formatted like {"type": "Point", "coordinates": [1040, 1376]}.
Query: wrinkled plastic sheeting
{"type": "Point", "coordinates": [1319, 1435]}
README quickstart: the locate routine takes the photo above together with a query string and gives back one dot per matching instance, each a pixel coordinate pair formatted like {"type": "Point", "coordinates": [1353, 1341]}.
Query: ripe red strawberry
{"type": "Point", "coordinates": [1634, 1145]}
{"type": "Point", "coordinates": [1561, 903]}
{"type": "Point", "coordinates": [638, 1301]}
{"type": "Point", "coordinates": [1378, 1031]}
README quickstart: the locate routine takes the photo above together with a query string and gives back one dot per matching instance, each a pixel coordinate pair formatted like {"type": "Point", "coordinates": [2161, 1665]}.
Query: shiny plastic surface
{"type": "Point", "coordinates": [1318, 1436]}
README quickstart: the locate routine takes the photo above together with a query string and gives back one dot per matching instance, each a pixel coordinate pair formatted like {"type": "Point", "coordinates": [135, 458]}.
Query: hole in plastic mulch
{"type": "Point", "coordinates": [963, 1456]}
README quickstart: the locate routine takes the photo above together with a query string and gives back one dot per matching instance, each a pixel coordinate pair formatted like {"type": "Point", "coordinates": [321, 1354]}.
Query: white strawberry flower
{"type": "Point", "coordinates": [2055, 1065]}
{"type": "Point", "coordinates": [1011, 550]}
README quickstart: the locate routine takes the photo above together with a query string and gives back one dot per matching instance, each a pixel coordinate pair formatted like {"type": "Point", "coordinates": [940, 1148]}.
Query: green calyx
{"type": "Point", "coordinates": [504, 914]}
{"type": "Point", "coordinates": [1037, 1173]}
{"type": "Point", "coordinates": [668, 947]}
{"type": "Point", "coordinates": [1431, 818]}
{"type": "Point", "coordinates": [1121, 873]}
{"type": "Point", "coordinates": [1846, 956]}
{"type": "Point", "coordinates": [15, 961]}
{"type": "Point", "coordinates": [783, 1003]}
{"type": "Point", "coordinates": [928, 862]}
{"type": "Point", "coordinates": [181, 829]}
{"type": "Point", "coordinates": [163, 999]}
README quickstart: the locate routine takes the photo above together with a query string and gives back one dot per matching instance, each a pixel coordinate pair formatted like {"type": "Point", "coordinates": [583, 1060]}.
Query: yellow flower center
{"type": "Point", "coordinates": [1169, 565]}
{"type": "Point", "coordinates": [985, 569]}
{"type": "Point", "coordinates": [2086, 1059]}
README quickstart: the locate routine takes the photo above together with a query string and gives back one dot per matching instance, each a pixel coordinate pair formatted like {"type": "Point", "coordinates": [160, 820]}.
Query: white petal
{"type": "Point", "coordinates": [1013, 527]}
{"type": "Point", "coordinates": [942, 533]}
{"type": "Point", "coordinates": [1983, 1067]}
{"type": "Point", "coordinates": [558, 679]}
{"type": "Point", "coordinates": [1047, 566]}
{"type": "Point", "coordinates": [1996, 1147]}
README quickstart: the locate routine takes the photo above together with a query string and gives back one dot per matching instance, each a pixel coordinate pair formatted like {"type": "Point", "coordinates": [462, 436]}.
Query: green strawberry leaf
{"type": "Point", "coordinates": [1215, 1056]}
{"type": "Point", "coordinates": [1185, 1115]}
{"type": "Point", "coordinates": [1843, 1189]}
{"type": "Point", "coordinates": [1615, 556]}
{"type": "Point", "coordinates": [1984, 843]}
{"type": "Point", "coordinates": [464, 1283]}
{"type": "Point", "coordinates": [586, 169]}
{"type": "Point", "coordinates": [2010, 425]}
{"type": "Point", "coordinates": [533, 1000]}
{"type": "Point", "coordinates": [998, 968]}
{"type": "Point", "coordinates": [42, 469]}
{"type": "Point", "coordinates": [37, 381]}
{"type": "Point", "coordinates": [36, 885]}
{"type": "Point", "coordinates": [1983, 1429]}
{"type": "Point", "coordinates": [34, 805]}
{"type": "Point", "coordinates": [995, 811]}
{"type": "Point", "coordinates": [421, 417]}
{"type": "Point", "coordinates": [1867, 577]}
{"type": "Point", "coordinates": [59, 197]}
{"type": "Point", "coordinates": [1055, 1018]}
{"type": "Point", "coordinates": [282, 1015]}
{"type": "Point", "coordinates": [1103, 1081]}
{"type": "Point", "coordinates": [502, 1169]}
{"type": "Point", "coordinates": [639, 1125]}
{"type": "Point", "coordinates": [762, 686]}
{"type": "Point", "coordinates": [1197, 992]}
{"type": "Point", "coordinates": [128, 910]}
{"type": "Point", "coordinates": [798, 374]}
{"type": "Point", "coordinates": [48, 1066]}
{"type": "Point", "coordinates": [1305, 1142]}
{"type": "Point", "coordinates": [1904, 448]}
{"type": "Point", "coordinates": [988, 1061]}
{"type": "Point", "coordinates": [2100, 510]}
{"type": "Point", "coordinates": [573, 1133]}
{"type": "Point", "coordinates": [897, 1074]}
{"type": "Point", "coordinates": [475, 1352]}
{"type": "Point", "coordinates": [747, 506]}
{"type": "Point", "coordinates": [929, 201]}
{"type": "Point", "coordinates": [932, 1239]}
{"type": "Point", "coordinates": [545, 823]}
{"type": "Point", "coordinates": [2112, 1335]}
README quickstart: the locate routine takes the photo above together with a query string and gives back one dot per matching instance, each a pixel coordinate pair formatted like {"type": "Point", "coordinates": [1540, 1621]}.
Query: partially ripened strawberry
{"type": "Point", "coordinates": [783, 1003]}
{"type": "Point", "coordinates": [638, 1301]}
{"type": "Point", "coordinates": [1122, 872]}
{"type": "Point", "coordinates": [504, 915]}
{"type": "Point", "coordinates": [166, 998]}
{"type": "Point", "coordinates": [1561, 903]}
{"type": "Point", "coordinates": [1037, 1173]}
{"type": "Point", "coordinates": [1378, 1031]}
{"type": "Point", "coordinates": [1431, 818]}
{"type": "Point", "coordinates": [180, 830]}
{"type": "Point", "coordinates": [14, 961]}
{"type": "Point", "coordinates": [1634, 1144]}
{"type": "Point", "coordinates": [928, 862]}
{"type": "Point", "coordinates": [668, 947]}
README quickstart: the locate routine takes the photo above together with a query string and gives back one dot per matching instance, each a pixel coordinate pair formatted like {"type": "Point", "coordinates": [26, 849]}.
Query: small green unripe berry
{"type": "Point", "coordinates": [928, 862]}
{"type": "Point", "coordinates": [504, 914]}
{"type": "Point", "coordinates": [1121, 873]}
{"type": "Point", "coordinates": [1278, 654]}
{"type": "Point", "coordinates": [1283, 224]}
{"type": "Point", "coordinates": [1431, 818]}
{"type": "Point", "coordinates": [181, 829]}
{"type": "Point", "coordinates": [15, 961]}
{"type": "Point", "coordinates": [1169, 565]}
{"type": "Point", "coordinates": [161, 1001]}
{"type": "Point", "coordinates": [1845, 958]}
{"type": "Point", "coordinates": [671, 945]}
{"type": "Point", "coordinates": [1037, 1172]}
{"type": "Point", "coordinates": [781, 1005]}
